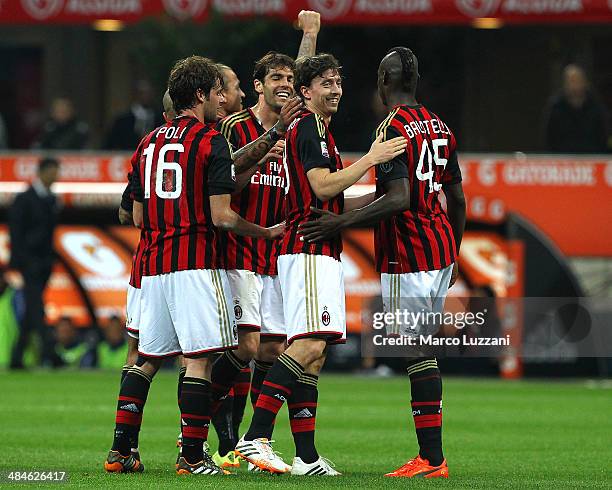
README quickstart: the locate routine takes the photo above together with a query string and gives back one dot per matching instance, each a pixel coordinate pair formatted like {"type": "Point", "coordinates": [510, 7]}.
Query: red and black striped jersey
{"type": "Point", "coordinates": [178, 167]}
{"type": "Point", "coordinates": [421, 238]}
{"type": "Point", "coordinates": [137, 264]}
{"type": "Point", "coordinates": [309, 144]}
{"type": "Point", "coordinates": [260, 202]}
{"type": "Point", "coordinates": [127, 203]}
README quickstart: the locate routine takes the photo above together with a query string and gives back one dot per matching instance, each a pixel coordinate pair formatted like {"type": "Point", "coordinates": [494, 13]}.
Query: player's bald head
{"type": "Point", "coordinates": [168, 106]}
{"type": "Point", "coordinates": [400, 70]}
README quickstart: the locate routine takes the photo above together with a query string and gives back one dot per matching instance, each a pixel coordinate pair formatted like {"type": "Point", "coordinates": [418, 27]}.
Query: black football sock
{"type": "Point", "coordinates": [223, 423]}
{"type": "Point", "coordinates": [426, 391]}
{"type": "Point", "coordinates": [195, 417]}
{"type": "Point", "coordinates": [302, 404]}
{"type": "Point", "coordinates": [179, 388]}
{"type": "Point", "coordinates": [134, 437]}
{"type": "Point", "coordinates": [224, 371]}
{"type": "Point", "coordinates": [242, 385]}
{"type": "Point", "coordinates": [130, 405]}
{"type": "Point", "coordinates": [275, 390]}
{"type": "Point", "coordinates": [260, 371]}
{"type": "Point", "coordinates": [124, 370]}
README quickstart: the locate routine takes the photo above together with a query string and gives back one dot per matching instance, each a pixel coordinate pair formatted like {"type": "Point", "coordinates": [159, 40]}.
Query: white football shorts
{"type": "Point", "coordinates": [258, 302]}
{"type": "Point", "coordinates": [186, 312]}
{"type": "Point", "coordinates": [313, 293]}
{"type": "Point", "coordinates": [413, 295]}
{"type": "Point", "coordinates": [132, 311]}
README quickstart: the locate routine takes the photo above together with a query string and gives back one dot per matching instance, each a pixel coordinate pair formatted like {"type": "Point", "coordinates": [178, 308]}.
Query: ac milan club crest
{"type": "Point", "coordinates": [42, 9]}
{"type": "Point", "coordinates": [330, 9]}
{"type": "Point", "coordinates": [184, 9]}
{"type": "Point", "coordinates": [477, 8]}
{"type": "Point", "coordinates": [238, 312]}
{"type": "Point", "coordinates": [325, 316]}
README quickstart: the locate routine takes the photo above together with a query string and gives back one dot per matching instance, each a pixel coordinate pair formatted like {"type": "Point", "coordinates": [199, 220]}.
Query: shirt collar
{"type": "Point", "coordinates": [40, 189]}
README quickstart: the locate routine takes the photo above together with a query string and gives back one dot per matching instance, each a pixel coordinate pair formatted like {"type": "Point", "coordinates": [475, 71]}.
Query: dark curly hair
{"type": "Point", "coordinates": [269, 61]}
{"type": "Point", "coordinates": [309, 67]}
{"type": "Point", "coordinates": [187, 76]}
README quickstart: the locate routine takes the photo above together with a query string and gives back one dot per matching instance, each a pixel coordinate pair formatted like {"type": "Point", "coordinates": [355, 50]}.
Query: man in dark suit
{"type": "Point", "coordinates": [131, 126]}
{"type": "Point", "coordinates": [32, 220]}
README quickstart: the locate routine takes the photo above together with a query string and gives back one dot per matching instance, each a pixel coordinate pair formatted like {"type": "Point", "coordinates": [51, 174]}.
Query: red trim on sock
{"type": "Point", "coordinates": [241, 389]}
{"type": "Point", "coordinates": [424, 421]}
{"type": "Point", "coordinates": [268, 403]}
{"type": "Point", "coordinates": [130, 399]}
{"type": "Point", "coordinates": [302, 425]}
{"type": "Point", "coordinates": [427, 404]}
{"type": "Point", "coordinates": [278, 387]}
{"type": "Point", "coordinates": [194, 432]}
{"type": "Point", "coordinates": [128, 418]}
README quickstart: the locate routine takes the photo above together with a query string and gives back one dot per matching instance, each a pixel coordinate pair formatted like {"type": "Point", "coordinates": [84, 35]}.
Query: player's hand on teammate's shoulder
{"type": "Point", "coordinates": [290, 110]}
{"type": "Point", "coordinates": [309, 21]}
{"type": "Point", "coordinates": [383, 151]}
{"type": "Point", "coordinates": [276, 231]}
{"type": "Point", "coordinates": [326, 226]}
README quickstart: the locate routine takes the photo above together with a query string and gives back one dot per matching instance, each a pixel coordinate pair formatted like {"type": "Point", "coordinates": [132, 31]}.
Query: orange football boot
{"type": "Point", "coordinates": [420, 468]}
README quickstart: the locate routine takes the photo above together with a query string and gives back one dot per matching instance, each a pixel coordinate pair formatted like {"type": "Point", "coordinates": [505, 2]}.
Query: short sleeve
{"type": "Point", "coordinates": [134, 185]}
{"type": "Point", "coordinates": [221, 177]}
{"type": "Point", "coordinates": [452, 171]}
{"type": "Point", "coordinates": [393, 169]}
{"type": "Point", "coordinates": [311, 143]}
{"type": "Point", "coordinates": [127, 199]}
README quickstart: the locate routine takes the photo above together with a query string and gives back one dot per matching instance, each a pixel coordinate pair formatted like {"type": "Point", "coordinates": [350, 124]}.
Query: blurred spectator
{"type": "Point", "coordinates": [3, 134]}
{"type": "Point", "coordinates": [32, 220]}
{"type": "Point", "coordinates": [70, 347]}
{"type": "Point", "coordinates": [63, 131]}
{"type": "Point", "coordinates": [11, 313]}
{"type": "Point", "coordinates": [128, 128]}
{"type": "Point", "coordinates": [112, 351]}
{"type": "Point", "coordinates": [576, 120]}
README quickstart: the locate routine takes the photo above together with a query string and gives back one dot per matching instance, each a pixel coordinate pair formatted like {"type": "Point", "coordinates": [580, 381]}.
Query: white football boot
{"type": "Point", "coordinates": [260, 453]}
{"type": "Point", "coordinates": [321, 467]}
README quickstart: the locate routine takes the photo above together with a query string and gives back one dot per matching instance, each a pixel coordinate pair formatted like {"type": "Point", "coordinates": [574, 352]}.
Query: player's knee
{"type": "Point", "coordinates": [307, 351]}
{"type": "Point", "coordinates": [270, 349]}
{"type": "Point", "coordinates": [248, 344]}
{"type": "Point", "coordinates": [148, 365]}
{"type": "Point", "coordinates": [132, 354]}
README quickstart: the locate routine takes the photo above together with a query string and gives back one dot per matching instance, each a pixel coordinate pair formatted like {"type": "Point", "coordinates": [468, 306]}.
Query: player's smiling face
{"type": "Point", "coordinates": [324, 93]}
{"type": "Point", "coordinates": [277, 87]}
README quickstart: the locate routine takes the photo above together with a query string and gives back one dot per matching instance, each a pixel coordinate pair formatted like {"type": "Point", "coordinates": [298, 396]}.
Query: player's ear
{"type": "Point", "coordinates": [201, 96]}
{"type": "Point", "coordinates": [258, 86]}
{"type": "Point", "coordinates": [305, 91]}
{"type": "Point", "coordinates": [385, 77]}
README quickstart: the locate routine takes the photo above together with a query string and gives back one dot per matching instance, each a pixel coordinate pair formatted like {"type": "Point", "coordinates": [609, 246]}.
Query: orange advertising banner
{"type": "Point", "coordinates": [569, 198]}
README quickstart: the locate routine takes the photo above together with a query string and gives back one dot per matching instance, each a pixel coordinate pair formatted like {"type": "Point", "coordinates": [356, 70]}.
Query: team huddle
{"type": "Point", "coordinates": [238, 268]}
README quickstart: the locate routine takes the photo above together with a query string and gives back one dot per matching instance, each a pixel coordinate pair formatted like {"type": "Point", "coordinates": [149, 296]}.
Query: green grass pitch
{"type": "Point", "coordinates": [497, 434]}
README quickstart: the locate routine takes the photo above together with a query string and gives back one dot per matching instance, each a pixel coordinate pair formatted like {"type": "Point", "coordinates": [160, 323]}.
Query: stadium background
{"type": "Point", "coordinates": [538, 223]}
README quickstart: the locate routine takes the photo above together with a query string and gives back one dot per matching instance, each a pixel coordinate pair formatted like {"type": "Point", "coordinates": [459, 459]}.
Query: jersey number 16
{"type": "Point", "coordinates": [162, 167]}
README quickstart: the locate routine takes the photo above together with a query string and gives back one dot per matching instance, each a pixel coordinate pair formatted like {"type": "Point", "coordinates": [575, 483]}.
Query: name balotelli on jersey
{"type": "Point", "coordinates": [420, 238]}
{"type": "Point", "coordinates": [309, 144]}
{"type": "Point", "coordinates": [260, 202]}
